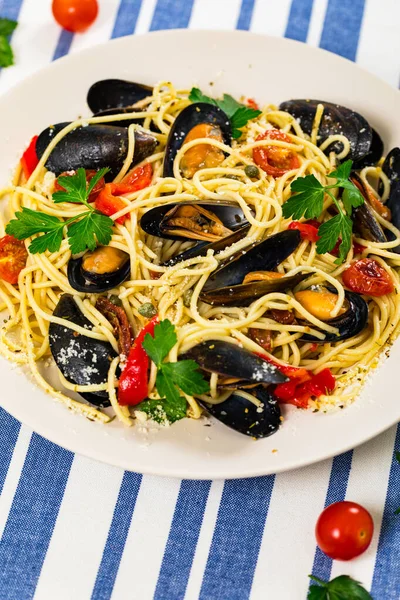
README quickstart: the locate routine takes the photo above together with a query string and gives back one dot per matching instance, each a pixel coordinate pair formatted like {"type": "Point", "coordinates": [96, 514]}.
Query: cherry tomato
{"type": "Point", "coordinates": [108, 203]}
{"type": "Point", "coordinates": [75, 15]}
{"type": "Point", "coordinates": [274, 160]}
{"type": "Point", "coordinates": [89, 175]}
{"type": "Point", "coordinates": [308, 230]}
{"type": "Point", "coordinates": [366, 276]}
{"type": "Point", "coordinates": [344, 530]}
{"type": "Point", "coordinates": [13, 257]}
{"type": "Point", "coordinates": [29, 160]}
{"type": "Point", "coordinates": [135, 180]}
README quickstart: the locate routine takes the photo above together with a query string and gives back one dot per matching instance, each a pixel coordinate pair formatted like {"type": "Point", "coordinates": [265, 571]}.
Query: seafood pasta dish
{"type": "Point", "coordinates": [177, 254]}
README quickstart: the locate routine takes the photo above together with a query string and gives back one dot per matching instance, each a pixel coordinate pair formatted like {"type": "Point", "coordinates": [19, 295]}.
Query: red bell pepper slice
{"type": "Point", "coordinates": [108, 203]}
{"type": "Point", "coordinates": [134, 380]}
{"type": "Point", "coordinates": [308, 230]}
{"type": "Point", "coordinates": [29, 160]}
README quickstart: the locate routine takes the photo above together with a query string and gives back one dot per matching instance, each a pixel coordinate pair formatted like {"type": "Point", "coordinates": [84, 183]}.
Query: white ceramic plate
{"type": "Point", "coordinates": [271, 70]}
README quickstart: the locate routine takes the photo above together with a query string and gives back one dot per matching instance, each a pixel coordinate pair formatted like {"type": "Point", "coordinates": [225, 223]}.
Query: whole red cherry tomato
{"type": "Point", "coordinates": [366, 276]}
{"type": "Point", "coordinates": [344, 530]}
{"type": "Point", "coordinates": [75, 15]}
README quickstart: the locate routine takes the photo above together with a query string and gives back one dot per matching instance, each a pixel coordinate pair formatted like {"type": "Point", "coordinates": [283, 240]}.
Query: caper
{"type": "Point", "coordinates": [252, 171]}
{"type": "Point", "coordinates": [115, 300]}
{"type": "Point", "coordinates": [147, 310]}
{"type": "Point", "coordinates": [187, 296]}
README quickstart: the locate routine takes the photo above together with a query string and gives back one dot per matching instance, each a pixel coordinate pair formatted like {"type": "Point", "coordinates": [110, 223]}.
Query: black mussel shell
{"type": "Point", "coordinates": [229, 360]}
{"type": "Point", "coordinates": [201, 248]}
{"type": "Point", "coordinates": [95, 283]}
{"type": "Point", "coordinates": [391, 167]}
{"type": "Point", "coordinates": [93, 147]}
{"type": "Point", "coordinates": [374, 154]}
{"type": "Point", "coordinates": [115, 93]}
{"type": "Point", "coordinates": [229, 213]}
{"type": "Point", "coordinates": [193, 115]}
{"type": "Point", "coordinates": [82, 360]}
{"type": "Point", "coordinates": [351, 323]}
{"type": "Point", "coordinates": [261, 256]}
{"type": "Point", "coordinates": [243, 416]}
{"type": "Point", "coordinates": [246, 293]}
{"type": "Point", "coordinates": [335, 120]}
{"type": "Point", "coordinates": [111, 112]}
{"type": "Point", "coordinates": [363, 217]}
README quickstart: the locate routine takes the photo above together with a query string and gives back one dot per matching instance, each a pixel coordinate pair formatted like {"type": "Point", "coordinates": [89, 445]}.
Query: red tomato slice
{"type": "Point", "coordinates": [274, 160]}
{"type": "Point", "coordinates": [108, 203]}
{"type": "Point", "coordinates": [13, 255]}
{"type": "Point", "coordinates": [75, 15]}
{"type": "Point", "coordinates": [344, 530]}
{"type": "Point", "coordinates": [29, 160]}
{"type": "Point", "coordinates": [308, 231]}
{"type": "Point", "coordinates": [136, 180]}
{"type": "Point", "coordinates": [366, 276]}
{"type": "Point", "coordinates": [89, 176]}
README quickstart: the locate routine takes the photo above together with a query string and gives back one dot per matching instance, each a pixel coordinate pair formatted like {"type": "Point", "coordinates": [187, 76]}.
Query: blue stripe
{"type": "Point", "coordinates": [32, 518]}
{"type": "Point", "coordinates": [63, 44]}
{"type": "Point", "coordinates": [171, 14]}
{"type": "Point", "coordinates": [386, 580]}
{"type": "Point", "coordinates": [299, 20]}
{"type": "Point", "coordinates": [117, 535]}
{"type": "Point", "coordinates": [10, 9]}
{"type": "Point", "coordinates": [237, 538]}
{"type": "Point", "coordinates": [341, 466]}
{"type": "Point", "coordinates": [9, 428]}
{"type": "Point", "coordinates": [127, 16]}
{"type": "Point", "coordinates": [342, 27]}
{"type": "Point", "coordinates": [246, 12]}
{"type": "Point", "coordinates": [182, 540]}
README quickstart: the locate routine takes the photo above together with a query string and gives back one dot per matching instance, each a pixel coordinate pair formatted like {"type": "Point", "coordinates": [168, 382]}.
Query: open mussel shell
{"type": "Point", "coordinates": [155, 220]}
{"type": "Point", "coordinates": [365, 222]}
{"type": "Point", "coordinates": [246, 293]}
{"type": "Point", "coordinates": [115, 93]}
{"type": "Point", "coordinates": [336, 120]}
{"type": "Point", "coordinates": [81, 359]}
{"type": "Point", "coordinates": [94, 280]}
{"type": "Point", "coordinates": [374, 154]}
{"type": "Point", "coordinates": [201, 248]}
{"type": "Point", "coordinates": [230, 360]}
{"type": "Point", "coordinates": [111, 112]}
{"type": "Point", "coordinates": [349, 324]}
{"type": "Point", "coordinates": [192, 115]}
{"type": "Point", "coordinates": [92, 147]}
{"type": "Point", "coordinates": [260, 256]}
{"type": "Point", "coordinates": [243, 416]}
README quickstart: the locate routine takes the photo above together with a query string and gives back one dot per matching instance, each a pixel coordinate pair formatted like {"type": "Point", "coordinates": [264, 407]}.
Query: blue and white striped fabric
{"type": "Point", "coordinates": [73, 529]}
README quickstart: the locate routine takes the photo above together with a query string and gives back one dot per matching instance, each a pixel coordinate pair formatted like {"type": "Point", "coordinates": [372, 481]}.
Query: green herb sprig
{"type": "Point", "coordinates": [85, 230]}
{"type": "Point", "coordinates": [238, 113]}
{"type": "Point", "coordinates": [171, 376]}
{"type": "Point", "coordinates": [340, 588]}
{"type": "Point", "coordinates": [309, 200]}
{"type": "Point", "coordinates": [7, 27]}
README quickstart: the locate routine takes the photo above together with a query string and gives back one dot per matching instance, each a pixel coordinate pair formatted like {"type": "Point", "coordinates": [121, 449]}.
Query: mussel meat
{"type": "Point", "coordinates": [99, 271]}
{"type": "Point", "coordinates": [248, 274]}
{"type": "Point", "coordinates": [115, 93]}
{"type": "Point", "coordinates": [336, 120]}
{"type": "Point", "coordinates": [81, 359]}
{"type": "Point", "coordinates": [93, 147]}
{"type": "Point", "coordinates": [199, 120]}
{"type": "Point", "coordinates": [207, 221]}
{"type": "Point", "coordinates": [242, 415]}
{"type": "Point", "coordinates": [350, 322]}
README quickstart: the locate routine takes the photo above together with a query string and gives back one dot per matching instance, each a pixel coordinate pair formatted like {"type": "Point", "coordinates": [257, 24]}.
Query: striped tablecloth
{"type": "Point", "coordinates": [73, 529]}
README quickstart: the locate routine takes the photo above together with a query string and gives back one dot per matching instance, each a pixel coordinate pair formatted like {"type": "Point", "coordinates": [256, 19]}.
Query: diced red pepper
{"type": "Point", "coordinates": [134, 380]}
{"type": "Point", "coordinates": [251, 103]}
{"type": "Point", "coordinates": [358, 248]}
{"type": "Point", "coordinates": [108, 202]}
{"type": "Point", "coordinates": [308, 230]}
{"type": "Point", "coordinates": [136, 180]}
{"type": "Point", "coordinates": [29, 160]}
{"type": "Point", "coordinates": [321, 383]}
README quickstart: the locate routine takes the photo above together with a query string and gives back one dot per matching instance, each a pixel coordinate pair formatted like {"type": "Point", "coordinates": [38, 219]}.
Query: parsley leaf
{"type": "Point", "coordinates": [86, 230]}
{"type": "Point", "coordinates": [340, 588]}
{"type": "Point", "coordinates": [164, 340]}
{"type": "Point", "coordinates": [309, 200]}
{"type": "Point", "coordinates": [171, 377]}
{"type": "Point", "coordinates": [93, 228]}
{"type": "Point", "coordinates": [6, 52]}
{"type": "Point", "coordinates": [7, 26]}
{"type": "Point", "coordinates": [238, 113]}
